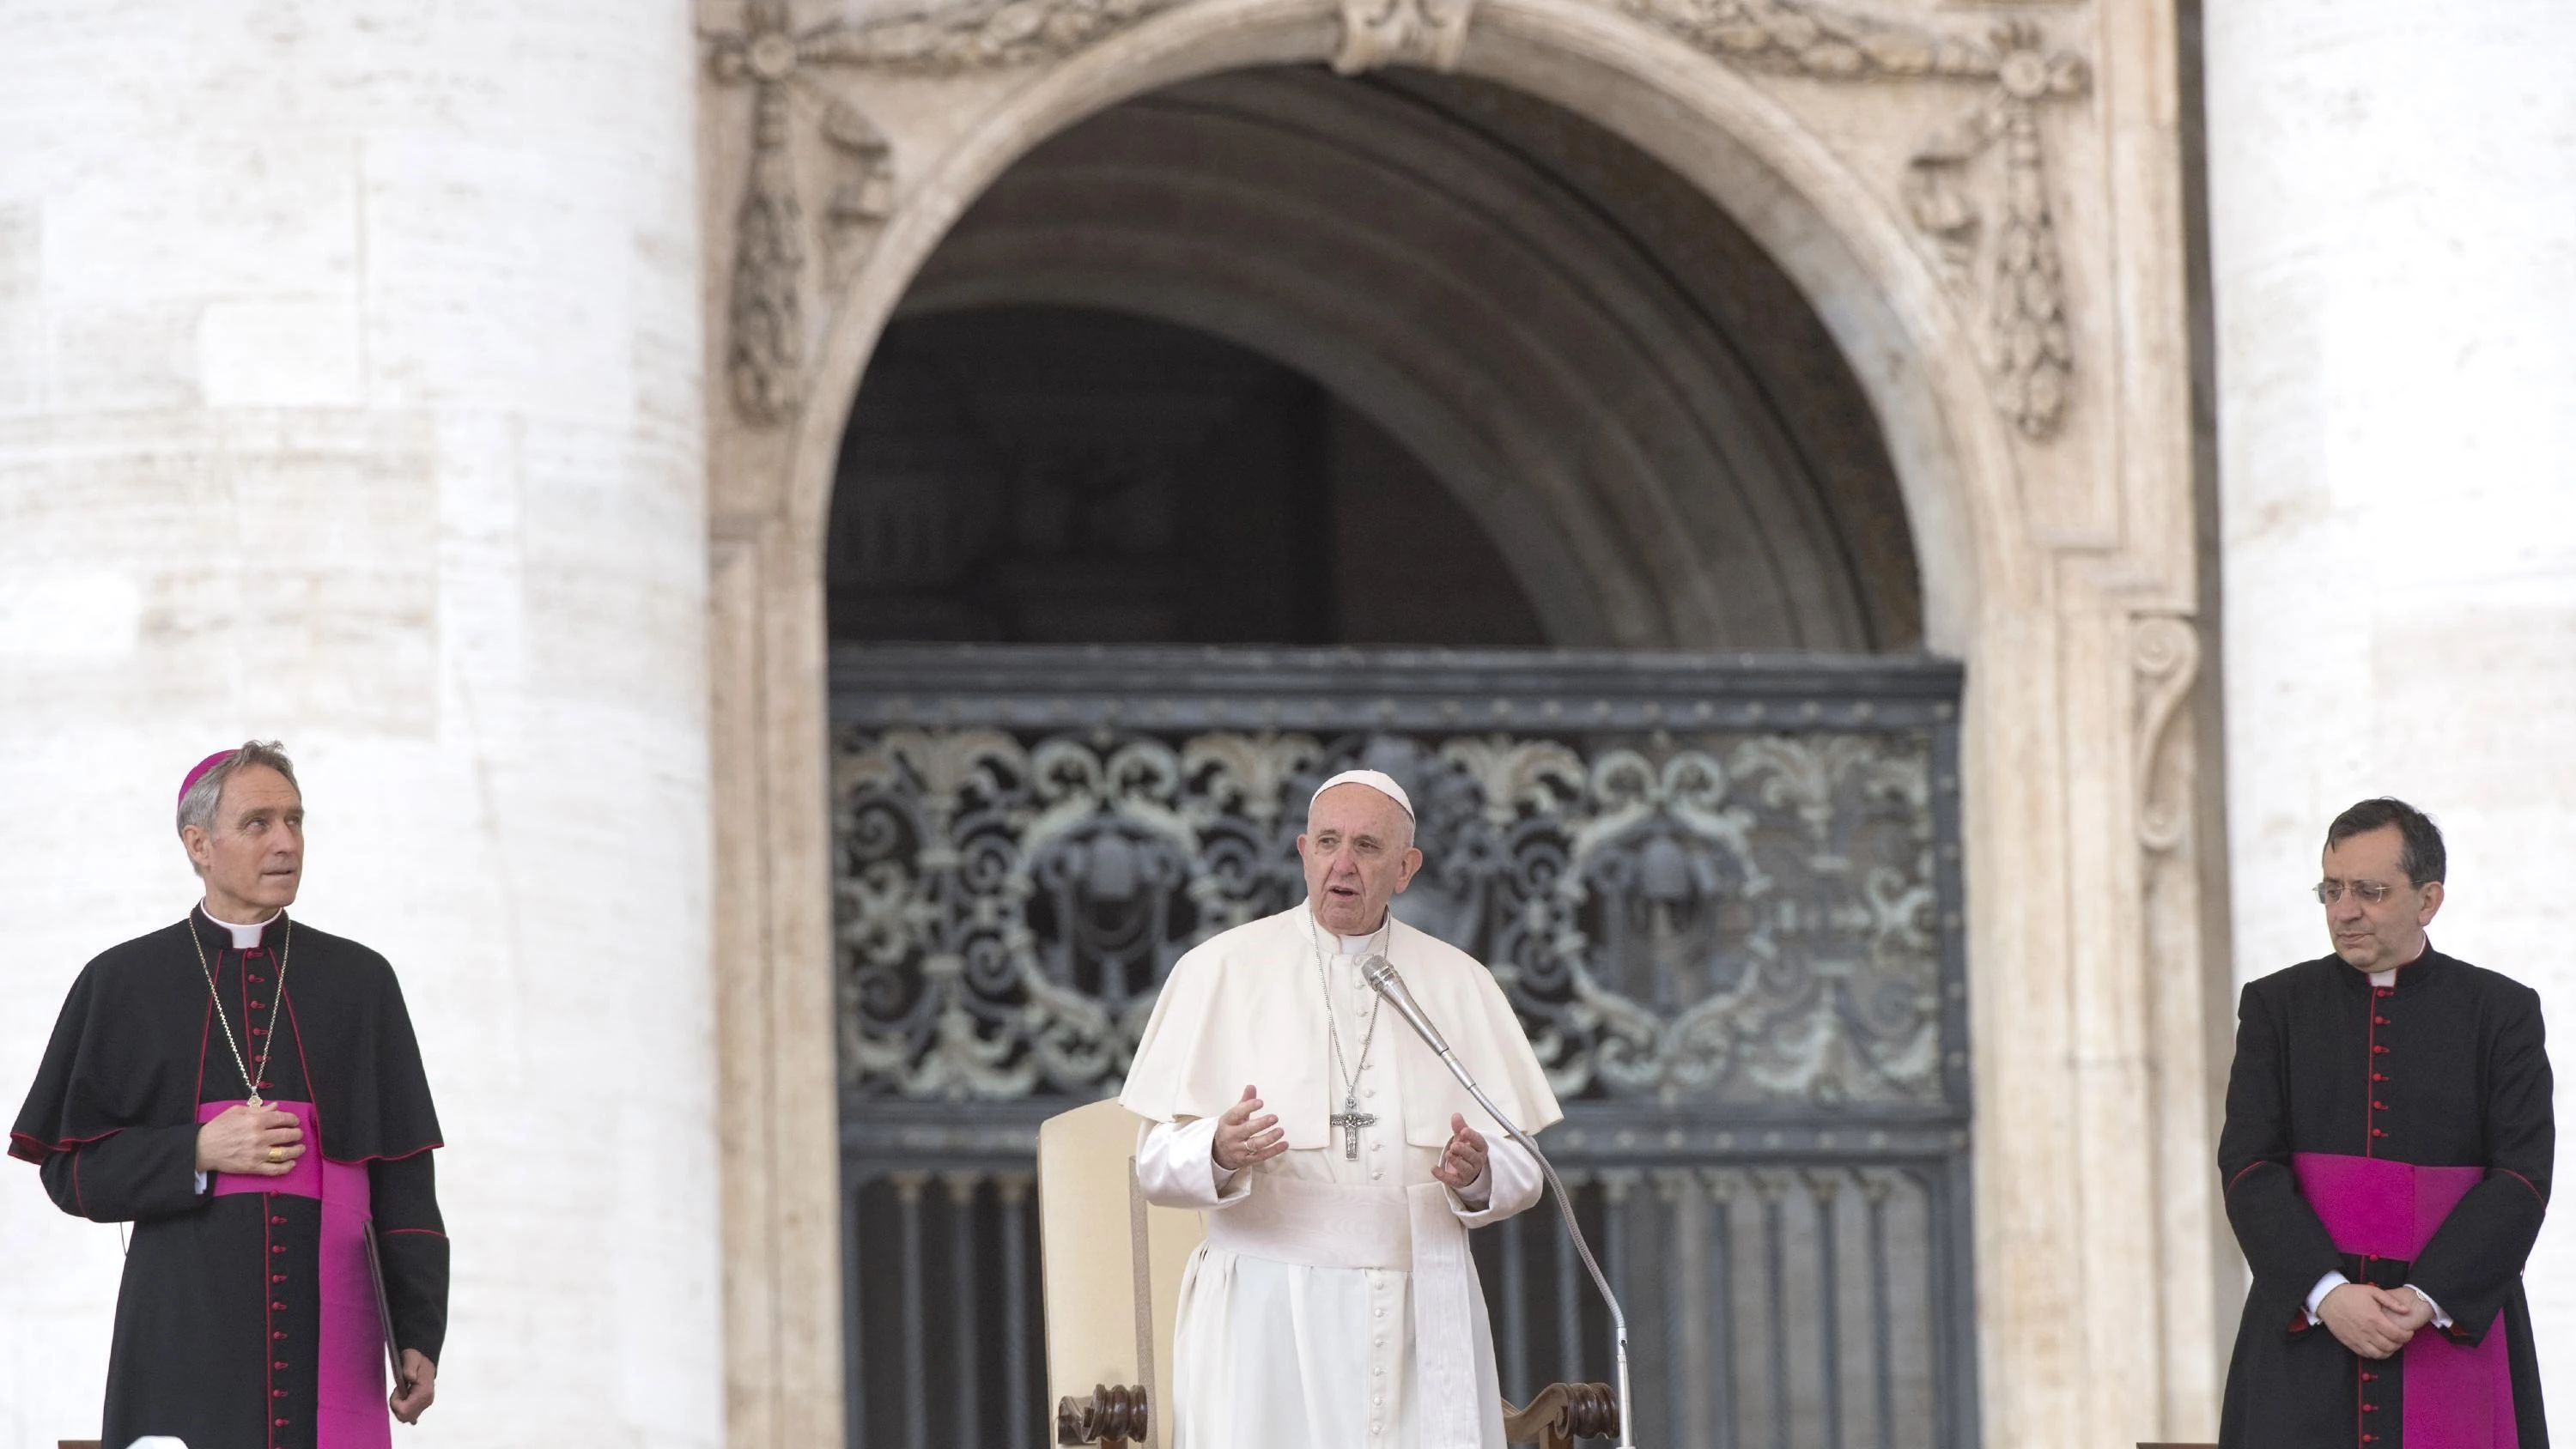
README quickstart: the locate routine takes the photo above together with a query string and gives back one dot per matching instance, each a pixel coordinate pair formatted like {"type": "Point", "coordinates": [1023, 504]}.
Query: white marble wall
{"type": "Point", "coordinates": [350, 393]}
{"type": "Point", "coordinates": [2393, 228]}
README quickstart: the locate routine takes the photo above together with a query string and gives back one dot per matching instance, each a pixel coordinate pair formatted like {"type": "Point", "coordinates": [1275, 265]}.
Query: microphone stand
{"type": "Point", "coordinates": [1379, 973]}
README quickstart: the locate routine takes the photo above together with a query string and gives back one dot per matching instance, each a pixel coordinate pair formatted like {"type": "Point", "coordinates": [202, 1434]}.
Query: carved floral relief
{"type": "Point", "coordinates": [2011, 234]}
{"type": "Point", "coordinates": [785, 66]}
{"type": "Point", "coordinates": [2028, 347]}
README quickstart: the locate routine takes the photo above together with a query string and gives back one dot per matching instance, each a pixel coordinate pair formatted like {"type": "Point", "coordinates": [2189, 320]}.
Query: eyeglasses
{"type": "Point", "coordinates": [2368, 892]}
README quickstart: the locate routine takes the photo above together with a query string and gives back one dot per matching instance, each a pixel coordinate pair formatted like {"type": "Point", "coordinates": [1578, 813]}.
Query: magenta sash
{"type": "Point", "coordinates": [349, 1377]}
{"type": "Point", "coordinates": [2457, 1397]}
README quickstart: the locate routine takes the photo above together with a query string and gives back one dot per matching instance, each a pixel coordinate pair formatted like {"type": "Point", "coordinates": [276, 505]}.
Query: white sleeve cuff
{"type": "Point", "coordinates": [2317, 1295]}
{"type": "Point", "coordinates": [1478, 1195]}
{"type": "Point", "coordinates": [2440, 1319]}
{"type": "Point", "coordinates": [1176, 1168]}
{"type": "Point", "coordinates": [1510, 1184]}
{"type": "Point", "coordinates": [201, 1185]}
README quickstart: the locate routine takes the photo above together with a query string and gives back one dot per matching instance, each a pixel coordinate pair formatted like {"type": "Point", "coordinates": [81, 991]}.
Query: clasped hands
{"type": "Point", "coordinates": [1243, 1139]}
{"type": "Point", "coordinates": [2374, 1322]}
{"type": "Point", "coordinates": [255, 1141]}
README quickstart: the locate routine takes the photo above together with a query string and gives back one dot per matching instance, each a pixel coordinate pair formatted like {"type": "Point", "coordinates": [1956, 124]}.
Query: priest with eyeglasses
{"type": "Point", "coordinates": [1340, 1165]}
{"type": "Point", "coordinates": [246, 1092]}
{"type": "Point", "coordinates": [2386, 1164]}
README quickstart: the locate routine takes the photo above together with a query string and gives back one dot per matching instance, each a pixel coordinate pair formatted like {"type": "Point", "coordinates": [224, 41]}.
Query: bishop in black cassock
{"type": "Point", "coordinates": [248, 1316]}
{"type": "Point", "coordinates": [2386, 1162]}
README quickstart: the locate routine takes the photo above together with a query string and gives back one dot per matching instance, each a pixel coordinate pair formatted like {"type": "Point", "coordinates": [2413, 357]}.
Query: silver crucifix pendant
{"type": "Point", "coordinates": [1351, 1119]}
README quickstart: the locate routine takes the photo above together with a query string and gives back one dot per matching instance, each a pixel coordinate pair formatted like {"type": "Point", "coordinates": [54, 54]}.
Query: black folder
{"type": "Point", "coordinates": [384, 1310]}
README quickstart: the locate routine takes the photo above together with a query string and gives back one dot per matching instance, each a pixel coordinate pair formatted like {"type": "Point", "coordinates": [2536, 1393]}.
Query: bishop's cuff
{"type": "Point", "coordinates": [2317, 1295]}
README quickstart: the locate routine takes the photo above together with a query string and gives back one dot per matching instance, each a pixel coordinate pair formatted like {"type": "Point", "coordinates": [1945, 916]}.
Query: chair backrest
{"type": "Point", "coordinates": [1111, 1262]}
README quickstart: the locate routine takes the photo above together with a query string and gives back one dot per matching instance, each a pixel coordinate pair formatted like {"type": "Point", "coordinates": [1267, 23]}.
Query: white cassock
{"type": "Point", "coordinates": [1334, 1302]}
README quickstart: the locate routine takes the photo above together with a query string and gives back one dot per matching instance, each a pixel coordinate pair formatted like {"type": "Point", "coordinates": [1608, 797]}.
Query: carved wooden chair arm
{"type": "Point", "coordinates": [1562, 1413]}
{"type": "Point", "coordinates": [1114, 1417]}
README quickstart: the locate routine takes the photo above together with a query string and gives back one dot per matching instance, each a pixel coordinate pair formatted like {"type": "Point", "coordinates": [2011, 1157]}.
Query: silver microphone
{"type": "Point", "coordinates": [1379, 973]}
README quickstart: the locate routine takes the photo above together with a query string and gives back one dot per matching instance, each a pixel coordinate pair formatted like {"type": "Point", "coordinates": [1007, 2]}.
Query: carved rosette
{"type": "Point", "coordinates": [2028, 347]}
{"type": "Point", "coordinates": [785, 66]}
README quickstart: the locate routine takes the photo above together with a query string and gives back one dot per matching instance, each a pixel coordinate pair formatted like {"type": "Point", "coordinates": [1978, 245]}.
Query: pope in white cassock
{"type": "Point", "coordinates": [1334, 1302]}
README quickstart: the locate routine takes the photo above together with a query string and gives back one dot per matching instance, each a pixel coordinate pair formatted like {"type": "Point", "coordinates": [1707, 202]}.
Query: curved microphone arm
{"type": "Point", "coordinates": [1379, 973]}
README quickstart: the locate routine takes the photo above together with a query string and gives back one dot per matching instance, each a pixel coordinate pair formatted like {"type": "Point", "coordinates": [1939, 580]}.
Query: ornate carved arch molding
{"type": "Point", "coordinates": [2028, 340]}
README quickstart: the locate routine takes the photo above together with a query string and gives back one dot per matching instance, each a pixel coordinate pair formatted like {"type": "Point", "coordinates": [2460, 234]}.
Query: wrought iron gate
{"type": "Point", "coordinates": [1723, 892]}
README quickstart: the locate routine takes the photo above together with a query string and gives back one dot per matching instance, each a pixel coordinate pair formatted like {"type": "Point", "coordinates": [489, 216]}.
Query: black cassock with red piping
{"type": "Point", "coordinates": [219, 1319]}
{"type": "Point", "coordinates": [2432, 1088]}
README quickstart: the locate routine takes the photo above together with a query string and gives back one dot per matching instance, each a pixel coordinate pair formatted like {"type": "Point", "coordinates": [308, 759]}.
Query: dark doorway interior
{"type": "Point", "coordinates": [1037, 475]}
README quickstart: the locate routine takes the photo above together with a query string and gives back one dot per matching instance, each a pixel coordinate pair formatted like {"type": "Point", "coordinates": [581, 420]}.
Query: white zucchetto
{"type": "Point", "coordinates": [1377, 780]}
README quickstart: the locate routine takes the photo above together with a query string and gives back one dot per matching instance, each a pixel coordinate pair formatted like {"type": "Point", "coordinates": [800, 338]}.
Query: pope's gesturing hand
{"type": "Point", "coordinates": [244, 1139]}
{"type": "Point", "coordinates": [1243, 1139]}
{"type": "Point", "coordinates": [1463, 1160]}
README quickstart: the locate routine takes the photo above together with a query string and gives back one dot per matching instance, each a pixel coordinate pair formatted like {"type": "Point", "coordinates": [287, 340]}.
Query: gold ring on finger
{"type": "Point", "coordinates": [277, 1154]}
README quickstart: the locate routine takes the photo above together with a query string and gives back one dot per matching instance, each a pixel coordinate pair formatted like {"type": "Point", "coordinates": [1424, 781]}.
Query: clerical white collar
{"type": "Point", "coordinates": [2384, 978]}
{"type": "Point", "coordinates": [244, 937]}
{"type": "Point", "coordinates": [1358, 945]}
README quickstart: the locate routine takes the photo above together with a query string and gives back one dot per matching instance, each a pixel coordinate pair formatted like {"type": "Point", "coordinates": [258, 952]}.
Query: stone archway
{"type": "Point", "coordinates": [2047, 485]}
{"type": "Point", "coordinates": [1612, 383]}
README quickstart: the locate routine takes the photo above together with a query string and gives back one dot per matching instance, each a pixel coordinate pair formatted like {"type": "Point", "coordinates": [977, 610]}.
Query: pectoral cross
{"type": "Point", "coordinates": [1351, 1119]}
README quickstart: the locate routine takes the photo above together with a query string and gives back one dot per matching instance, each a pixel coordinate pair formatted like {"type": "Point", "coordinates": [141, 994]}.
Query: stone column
{"type": "Point", "coordinates": [2393, 239]}
{"type": "Point", "coordinates": [351, 394]}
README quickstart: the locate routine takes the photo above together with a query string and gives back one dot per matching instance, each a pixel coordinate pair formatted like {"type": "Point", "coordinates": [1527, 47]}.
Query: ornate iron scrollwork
{"type": "Point", "coordinates": [1719, 913]}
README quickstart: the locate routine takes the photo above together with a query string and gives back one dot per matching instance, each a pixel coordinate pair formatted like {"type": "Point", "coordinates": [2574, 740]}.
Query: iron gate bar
{"type": "Point", "coordinates": [1892, 1138]}
{"type": "Point", "coordinates": [1175, 687]}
